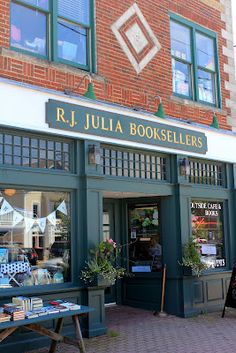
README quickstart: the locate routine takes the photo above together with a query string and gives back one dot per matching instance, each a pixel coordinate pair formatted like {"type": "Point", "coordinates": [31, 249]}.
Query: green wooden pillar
{"type": "Point", "coordinates": [91, 209]}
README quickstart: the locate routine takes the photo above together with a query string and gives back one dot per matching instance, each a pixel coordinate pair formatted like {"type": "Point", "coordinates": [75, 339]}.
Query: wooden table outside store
{"type": "Point", "coordinates": [7, 328]}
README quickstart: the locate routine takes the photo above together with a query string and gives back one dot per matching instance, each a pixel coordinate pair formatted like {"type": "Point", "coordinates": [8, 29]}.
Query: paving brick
{"type": "Point", "coordinates": [139, 331]}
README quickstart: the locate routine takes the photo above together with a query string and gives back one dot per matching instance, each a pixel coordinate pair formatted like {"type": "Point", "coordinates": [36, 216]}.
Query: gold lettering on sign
{"type": "Point", "coordinates": [132, 129]}
{"type": "Point", "coordinates": [101, 123]}
{"type": "Point", "coordinates": [199, 142]}
{"type": "Point", "coordinates": [118, 127]}
{"type": "Point", "coordinates": [60, 115]}
{"type": "Point", "coordinates": [72, 121]}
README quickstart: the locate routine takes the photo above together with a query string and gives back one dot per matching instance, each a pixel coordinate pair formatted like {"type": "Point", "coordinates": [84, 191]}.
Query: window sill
{"type": "Point", "coordinates": [195, 104]}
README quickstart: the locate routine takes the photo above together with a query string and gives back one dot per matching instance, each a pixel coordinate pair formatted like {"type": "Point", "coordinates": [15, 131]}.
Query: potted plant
{"type": "Point", "coordinates": [191, 260]}
{"type": "Point", "coordinates": [102, 268]}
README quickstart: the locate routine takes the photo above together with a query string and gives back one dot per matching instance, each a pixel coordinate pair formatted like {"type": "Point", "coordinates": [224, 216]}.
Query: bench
{"type": "Point", "coordinates": [34, 324]}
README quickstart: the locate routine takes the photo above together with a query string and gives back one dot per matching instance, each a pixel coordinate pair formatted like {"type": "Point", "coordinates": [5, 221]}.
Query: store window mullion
{"type": "Point", "coordinates": [53, 30]}
{"type": "Point", "coordinates": [194, 65]}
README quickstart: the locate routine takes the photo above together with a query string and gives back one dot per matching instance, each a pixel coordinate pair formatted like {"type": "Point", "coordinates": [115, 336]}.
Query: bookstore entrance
{"type": "Point", "coordinates": [134, 224]}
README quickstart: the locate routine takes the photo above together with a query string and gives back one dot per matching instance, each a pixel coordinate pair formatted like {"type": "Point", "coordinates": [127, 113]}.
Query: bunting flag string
{"type": "Point", "coordinates": [41, 223]}
{"type": "Point", "coordinates": [17, 218]}
{"type": "Point", "coordinates": [52, 218]}
{"type": "Point", "coordinates": [6, 208]}
{"type": "Point", "coordinates": [62, 207]}
{"type": "Point", "coordinates": [29, 222]}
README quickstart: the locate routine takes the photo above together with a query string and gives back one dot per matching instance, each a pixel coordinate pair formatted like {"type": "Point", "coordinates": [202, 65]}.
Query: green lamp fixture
{"type": "Point", "coordinates": [90, 92]}
{"type": "Point", "coordinates": [215, 122]}
{"type": "Point", "coordinates": [160, 111]}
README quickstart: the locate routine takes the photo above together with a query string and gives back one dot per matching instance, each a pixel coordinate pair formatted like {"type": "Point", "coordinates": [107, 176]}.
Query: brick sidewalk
{"type": "Point", "coordinates": [139, 331]}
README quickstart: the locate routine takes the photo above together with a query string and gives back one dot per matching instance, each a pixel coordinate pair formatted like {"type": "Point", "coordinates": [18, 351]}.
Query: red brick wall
{"type": "Point", "coordinates": [117, 80]}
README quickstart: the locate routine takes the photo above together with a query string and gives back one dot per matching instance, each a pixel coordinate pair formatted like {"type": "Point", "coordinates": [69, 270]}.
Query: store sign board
{"type": "Point", "coordinates": [72, 117]}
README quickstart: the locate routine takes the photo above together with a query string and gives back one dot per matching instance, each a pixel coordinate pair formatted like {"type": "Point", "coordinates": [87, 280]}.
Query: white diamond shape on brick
{"type": "Point", "coordinates": [136, 37]}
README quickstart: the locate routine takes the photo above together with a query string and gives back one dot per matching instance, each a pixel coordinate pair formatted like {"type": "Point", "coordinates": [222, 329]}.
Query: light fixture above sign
{"type": "Point", "coordinates": [90, 91]}
{"type": "Point", "coordinates": [9, 192]}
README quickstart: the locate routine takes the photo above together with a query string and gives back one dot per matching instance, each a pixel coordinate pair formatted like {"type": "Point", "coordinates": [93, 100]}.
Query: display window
{"type": "Point", "coordinates": [35, 243]}
{"type": "Point", "coordinates": [208, 231]}
{"type": "Point", "coordinates": [145, 248]}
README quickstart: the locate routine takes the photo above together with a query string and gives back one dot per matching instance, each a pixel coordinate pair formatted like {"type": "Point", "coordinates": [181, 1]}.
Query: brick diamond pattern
{"type": "Point", "coordinates": [136, 38]}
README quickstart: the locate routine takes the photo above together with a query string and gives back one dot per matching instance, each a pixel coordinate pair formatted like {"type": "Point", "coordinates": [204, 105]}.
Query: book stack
{"type": "Point", "coordinates": [22, 301]}
{"type": "Point", "coordinates": [51, 309]}
{"type": "Point", "coordinates": [4, 317]}
{"type": "Point", "coordinates": [36, 303]}
{"type": "Point", "coordinates": [40, 312]}
{"type": "Point", "coordinates": [30, 315]}
{"type": "Point", "coordinates": [63, 305]}
{"type": "Point", "coordinates": [16, 313]}
{"type": "Point", "coordinates": [71, 306]}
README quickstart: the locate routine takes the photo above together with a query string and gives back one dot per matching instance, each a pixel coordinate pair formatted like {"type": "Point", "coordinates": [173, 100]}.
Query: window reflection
{"type": "Point", "coordinates": [181, 78]}
{"type": "Point", "coordinates": [145, 248]}
{"type": "Point", "coordinates": [34, 238]}
{"type": "Point", "coordinates": [30, 37]}
{"type": "Point", "coordinates": [207, 231]}
{"type": "Point", "coordinates": [205, 52]}
{"type": "Point", "coordinates": [72, 42]}
{"type": "Point", "coordinates": [206, 86]}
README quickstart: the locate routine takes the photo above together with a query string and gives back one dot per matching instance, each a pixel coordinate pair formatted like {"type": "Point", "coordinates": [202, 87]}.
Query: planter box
{"type": "Point", "coordinates": [187, 271]}
{"type": "Point", "coordinates": [100, 281]}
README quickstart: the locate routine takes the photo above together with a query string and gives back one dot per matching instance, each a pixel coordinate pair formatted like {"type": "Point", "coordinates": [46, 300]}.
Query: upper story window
{"type": "Point", "coordinates": [194, 64]}
{"type": "Point", "coordinates": [58, 30]}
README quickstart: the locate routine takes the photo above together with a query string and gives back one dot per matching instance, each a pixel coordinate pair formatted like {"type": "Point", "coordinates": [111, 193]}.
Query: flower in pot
{"type": "Point", "coordinates": [192, 258]}
{"type": "Point", "coordinates": [102, 268]}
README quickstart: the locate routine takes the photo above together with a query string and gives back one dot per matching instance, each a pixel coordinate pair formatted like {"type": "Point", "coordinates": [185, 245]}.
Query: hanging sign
{"type": "Point", "coordinates": [231, 294]}
{"type": "Point", "coordinates": [66, 116]}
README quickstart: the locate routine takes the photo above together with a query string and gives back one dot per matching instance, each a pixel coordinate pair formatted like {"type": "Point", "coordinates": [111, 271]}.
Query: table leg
{"type": "Point", "coordinates": [78, 334]}
{"type": "Point", "coordinates": [57, 330]}
{"type": "Point", "coordinates": [7, 332]}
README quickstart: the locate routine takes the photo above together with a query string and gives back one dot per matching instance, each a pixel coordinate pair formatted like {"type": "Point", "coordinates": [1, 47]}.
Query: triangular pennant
{"type": "Point", "coordinates": [52, 218]}
{"type": "Point", "coordinates": [17, 218]}
{"type": "Point", "coordinates": [41, 223]}
{"type": "Point", "coordinates": [6, 208]}
{"type": "Point", "coordinates": [28, 223]}
{"type": "Point", "coordinates": [62, 208]}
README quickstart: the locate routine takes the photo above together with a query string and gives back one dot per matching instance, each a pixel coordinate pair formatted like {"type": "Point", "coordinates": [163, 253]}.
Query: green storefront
{"type": "Point", "coordinates": [61, 194]}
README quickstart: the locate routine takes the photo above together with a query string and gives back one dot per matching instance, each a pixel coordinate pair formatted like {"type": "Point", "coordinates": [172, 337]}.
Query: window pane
{"type": "Point", "coordinates": [28, 29]}
{"type": "Point", "coordinates": [35, 241]}
{"type": "Point", "coordinates": [206, 87]}
{"type": "Point", "coordinates": [72, 42]}
{"type": "Point", "coordinates": [207, 230]}
{"type": "Point", "coordinates": [145, 249]}
{"type": "Point", "coordinates": [181, 78]}
{"type": "Point", "coordinates": [205, 52]}
{"type": "Point", "coordinates": [76, 10]}
{"type": "Point", "coordinates": [40, 3]}
{"type": "Point", "coordinates": [180, 41]}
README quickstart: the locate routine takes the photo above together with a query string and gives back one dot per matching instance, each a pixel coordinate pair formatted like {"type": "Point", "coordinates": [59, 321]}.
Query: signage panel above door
{"type": "Point", "coordinates": [76, 118]}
